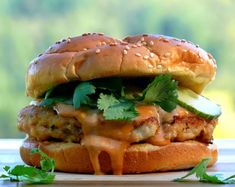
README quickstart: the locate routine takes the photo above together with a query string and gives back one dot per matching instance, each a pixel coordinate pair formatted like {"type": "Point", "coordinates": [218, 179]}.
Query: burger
{"type": "Point", "coordinates": [102, 105]}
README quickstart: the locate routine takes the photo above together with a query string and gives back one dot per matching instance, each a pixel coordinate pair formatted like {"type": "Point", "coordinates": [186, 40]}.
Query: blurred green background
{"type": "Point", "coordinates": [28, 27]}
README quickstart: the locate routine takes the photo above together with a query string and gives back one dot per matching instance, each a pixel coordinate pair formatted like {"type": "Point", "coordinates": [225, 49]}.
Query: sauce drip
{"type": "Point", "coordinates": [114, 148]}
{"type": "Point", "coordinates": [101, 135]}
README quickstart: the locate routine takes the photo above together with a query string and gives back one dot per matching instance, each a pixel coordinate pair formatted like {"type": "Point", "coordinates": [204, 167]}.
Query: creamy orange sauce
{"type": "Point", "coordinates": [115, 148]}
{"type": "Point", "coordinates": [159, 138]}
{"type": "Point", "coordinates": [112, 136]}
{"type": "Point", "coordinates": [146, 111]}
{"type": "Point", "coordinates": [101, 135]}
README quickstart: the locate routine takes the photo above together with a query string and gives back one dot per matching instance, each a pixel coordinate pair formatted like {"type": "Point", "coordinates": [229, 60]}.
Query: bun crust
{"type": "Point", "coordinates": [139, 158]}
{"type": "Point", "coordinates": [94, 55]}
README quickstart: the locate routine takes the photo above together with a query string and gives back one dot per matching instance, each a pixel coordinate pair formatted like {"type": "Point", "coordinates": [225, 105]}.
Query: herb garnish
{"type": "Point", "coordinates": [29, 174]}
{"type": "Point", "coordinates": [109, 96]}
{"type": "Point", "coordinates": [163, 92]}
{"type": "Point", "coordinates": [201, 174]}
{"type": "Point", "coordinates": [81, 94]}
{"type": "Point", "coordinates": [114, 109]}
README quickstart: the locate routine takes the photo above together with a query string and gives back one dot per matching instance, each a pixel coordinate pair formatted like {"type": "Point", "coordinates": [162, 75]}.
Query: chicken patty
{"type": "Point", "coordinates": [45, 124]}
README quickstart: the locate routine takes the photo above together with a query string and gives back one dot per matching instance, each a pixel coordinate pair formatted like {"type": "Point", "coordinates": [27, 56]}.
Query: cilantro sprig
{"type": "Point", "coordinates": [203, 176]}
{"type": "Point", "coordinates": [108, 96]}
{"type": "Point", "coordinates": [81, 94]}
{"type": "Point", "coordinates": [29, 174]}
{"type": "Point", "coordinates": [114, 109]}
{"type": "Point", "coordinates": [163, 92]}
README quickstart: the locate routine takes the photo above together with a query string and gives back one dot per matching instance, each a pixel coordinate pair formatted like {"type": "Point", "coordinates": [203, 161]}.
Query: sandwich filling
{"type": "Point", "coordinates": [140, 120]}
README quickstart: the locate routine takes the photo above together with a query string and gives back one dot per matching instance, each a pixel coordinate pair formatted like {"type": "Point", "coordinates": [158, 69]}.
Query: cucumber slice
{"type": "Point", "coordinates": [198, 104]}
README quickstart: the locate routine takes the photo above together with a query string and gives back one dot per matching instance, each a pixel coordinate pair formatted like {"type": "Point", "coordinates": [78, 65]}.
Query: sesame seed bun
{"type": "Point", "coordinates": [138, 158]}
{"type": "Point", "coordinates": [92, 56]}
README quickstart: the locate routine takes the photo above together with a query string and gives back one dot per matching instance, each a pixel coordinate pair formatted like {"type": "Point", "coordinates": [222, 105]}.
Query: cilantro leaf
{"type": "Point", "coordinates": [200, 172]}
{"type": "Point", "coordinates": [31, 174]}
{"type": "Point", "coordinates": [4, 176]}
{"type": "Point", "coordinates": [81, 93]}
{"type": "Point", "coordinates": [51, 101]}
{"type": "Point", "coordinates": [6, 168]}
{"type": "Point", "coordinates": [121, 111]}
{"type": "Point", "coordinates": [105, 101]}
{"type": "Point", "coordinates": [46, 162]}
{"type": "Point", "coordinates": [114, 109]}
{"type": "Point", "coordinates": [163, 92]}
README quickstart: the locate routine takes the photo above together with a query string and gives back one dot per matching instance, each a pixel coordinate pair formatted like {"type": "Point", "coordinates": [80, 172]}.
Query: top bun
{"type": "Point", "coordinates": [92, 56]}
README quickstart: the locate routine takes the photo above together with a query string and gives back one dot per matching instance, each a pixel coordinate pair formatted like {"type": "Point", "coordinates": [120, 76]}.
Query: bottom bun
{"type": "Point", "coordinates": [138, 158]}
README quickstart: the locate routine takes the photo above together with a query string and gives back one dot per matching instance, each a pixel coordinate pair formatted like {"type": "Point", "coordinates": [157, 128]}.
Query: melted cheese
{"type": "Point", "coordinates": [101, 135]}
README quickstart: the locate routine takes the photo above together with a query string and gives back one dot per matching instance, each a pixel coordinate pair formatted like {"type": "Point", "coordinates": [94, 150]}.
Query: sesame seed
{"type": "Point", "coordinates": [185, 50]}
{"type": "Point", "coordinates": [175, 39]}
{"type": "Point", "coordinates": [124, 43]}
{"type": "Point", "coordinates": [134, 46]}
{"type": "Point", "coordinates": [97, 51]}
{"type": "Point", "coordinates": [160, 38]}
{"type": "Point", "coordinates": [142, 39]}
{"type": "Point", "coordinates": [159, 66]}
{"type": "Point", "coordinates": [200, 55]}
{"type": "Point", "coordinates": [84, 49]}
{"type": "Point", "coordinates": [183, 40]}
{"type": "Point", "coordinates": [168, 54]}
{"type": "Point", "coordinates": [85, 34]}
{"type": "Point", "coordinates": [103, 43]}
{"type": "Point", "coordinates": [113, 44]}
{"type": "Point", "coordinates": [151, 43]}
{"type": "Point", "coordinates": [144, 43]}
{"type": "Point", "coordinates": [150, 66]}
{"type": "Point", "coordinates": [40, 55]}
{"type": "Point", "coordinates": [197, 45]}
{"type": "Point", "coordinates": [145, 35]}
{"type": "Point", "coordinates": [68, 40]}
{"type": "Point", "coordinates": [151, 55]}
{"type": "Point", "coordinates": [63, 40]}
{"type": "Point", "coordinates": [178, 45]}
{"type": "Point", "coordinates": [88, 33]}
{"type": "Point", "coordinates": [146, 57]}
{"type": "Point", "coordinates": [125, 52]}
{"type": "Point", "coordinates": [165, 40]}
{"type": "Point", "coordinates": [127, 47]}
{"type": "Point", "coordinates": [210, 56]}
{"type": "Point", "coordinates": [100, 33]}
{"type": "Point", "coordinates": [58, 42]}
{"type": "Point", "coordinates": [138, 54]}
{"type": "Point", "coordinates": [139, 44]}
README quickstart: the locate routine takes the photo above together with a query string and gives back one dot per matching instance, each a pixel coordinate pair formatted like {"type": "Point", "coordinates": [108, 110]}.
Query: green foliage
{"type": "Point", "coordinates": [81, 94]}
{"type": "Point", "coordinates": [114, 109]}
{"type": "Point", "coordinates": [163, 92]}
{"type": "Point", "coordinates": [29, 27]}
{"type": "Point", "coordinates": [29, 174]}
{"type": "Point", "coordinates": [201, 174]}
